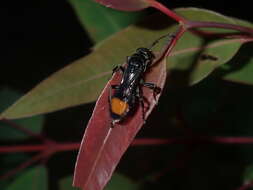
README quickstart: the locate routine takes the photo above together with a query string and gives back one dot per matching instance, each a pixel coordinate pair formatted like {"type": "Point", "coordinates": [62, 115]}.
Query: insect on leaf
{"type": "Point", "coordinates": [82, 81]}
{"type": "Point", "coordinates": [103, 146]}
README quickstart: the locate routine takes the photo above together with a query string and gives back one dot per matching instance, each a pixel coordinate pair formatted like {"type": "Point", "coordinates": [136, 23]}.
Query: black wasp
{"type": "Point", "coordinates": [128, 93]}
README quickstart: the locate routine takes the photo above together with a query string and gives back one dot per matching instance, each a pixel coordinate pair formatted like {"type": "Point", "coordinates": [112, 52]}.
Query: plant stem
{"type": "Point", "coordinates": [199, 24]}
{"type": "Point", "coordinates": [171, 44]}
{"type": "Point", "coordinates": [24, 130]}
{"type": "Point", "coordinates": [42, 147]}
{"type": "Point", "coordinates": [189, 24]}
{"type": "Point", "coordinates": [167, 11]}
{"type": "Point", "coordinates": [231, 140]}
{"type": "Point", "coordinates": [141, 142]}
{"type": "Point", "coordinates": [23, 166]}
{"type": "Point", "coordinates": [61, 147]}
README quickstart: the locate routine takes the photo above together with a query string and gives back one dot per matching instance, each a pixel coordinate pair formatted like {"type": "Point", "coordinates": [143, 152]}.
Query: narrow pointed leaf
{"type": "Point", "coordinates": [99, 21]}
{"type": "Point", "coordinates": [240, 68]}
{"type": "Point", "coordinates": [82, 81]}
{"type": "Point", "coordinates": [103, 146]}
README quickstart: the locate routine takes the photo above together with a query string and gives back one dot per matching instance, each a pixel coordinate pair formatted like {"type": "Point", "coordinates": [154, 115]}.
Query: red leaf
{"type": "Point", "coordinates": [126, 5]}
{"type": "Point", "coordinates": [103, 146]}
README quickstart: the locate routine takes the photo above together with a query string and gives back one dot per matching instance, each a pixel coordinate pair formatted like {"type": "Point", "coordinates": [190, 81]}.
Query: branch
{"type": "Point", "coordinates": [199, 24]}
{"type": "Point", "coordinates": [231, 140]}
{"type": "Point", "coordinates": [194, 140]}
{"type": "Point", "coordinates": [52, 147]}
{"type": "Point", "coordinates": [24, 130]}
{"type": "Point", "coordinates": [23, 166]}
{"type": "Point", "coordinates": [189, 24]}
{"type": "Point", "coordinates": [61, 147]}
{"type": "Point", "coordinates": [167, 11]}
{"type": "Point", "coordinates": [171, 44]}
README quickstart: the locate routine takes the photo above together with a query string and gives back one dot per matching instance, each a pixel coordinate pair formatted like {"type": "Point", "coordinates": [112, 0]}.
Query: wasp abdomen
{"type": "Point", "coordinates": [118, 106]}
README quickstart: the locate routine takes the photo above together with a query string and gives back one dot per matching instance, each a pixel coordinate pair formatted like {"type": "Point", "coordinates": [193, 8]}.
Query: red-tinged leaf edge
{"type": "Point", "coordinates": [103, 146]}
{"type": "Point", "coordinates": [126, 5]}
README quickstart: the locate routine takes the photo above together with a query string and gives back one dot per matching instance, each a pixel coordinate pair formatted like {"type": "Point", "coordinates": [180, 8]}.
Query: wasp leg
{"type": "Point", "coordinates": [154, 87]}
{"type": "Point", "coordinates": [142, 99]}
{"type": "Point", "coordinates": [140, 96]}
{"type": "Point", "coordinates": [118, 68]}
{"type": "Point", "coordinates": [110, 99]}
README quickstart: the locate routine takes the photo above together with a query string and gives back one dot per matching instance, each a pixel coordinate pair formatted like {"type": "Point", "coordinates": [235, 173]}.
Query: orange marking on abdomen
{"type": "Point", "coordinates": [118, 106]}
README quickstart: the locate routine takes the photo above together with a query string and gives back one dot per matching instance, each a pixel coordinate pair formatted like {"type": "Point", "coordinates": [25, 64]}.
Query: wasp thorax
{"type": "Point", "coordinates": [145, 52]}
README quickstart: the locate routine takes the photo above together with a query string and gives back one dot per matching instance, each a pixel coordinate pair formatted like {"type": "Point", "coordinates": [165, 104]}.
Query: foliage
{"type": "Point", "coordinates": [207, 99]}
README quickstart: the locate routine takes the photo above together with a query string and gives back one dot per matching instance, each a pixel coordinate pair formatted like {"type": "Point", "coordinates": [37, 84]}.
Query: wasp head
{"type": "Point", "coordinates": [146, 53]}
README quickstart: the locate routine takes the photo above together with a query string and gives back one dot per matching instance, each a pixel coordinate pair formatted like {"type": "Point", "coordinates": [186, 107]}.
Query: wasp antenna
{"type": "Point", "coordinates": [157, 40]}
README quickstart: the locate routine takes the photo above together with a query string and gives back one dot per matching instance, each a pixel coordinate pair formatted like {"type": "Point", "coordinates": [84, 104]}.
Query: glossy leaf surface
{"type": "Point", "coordinates": [32, 179]}
{"type": "Point", "coordinates": [99, 21]}
{"type": "Point", "coordinates": [82, 81]}
{"type": "Point", "coordinates": [103, 146]}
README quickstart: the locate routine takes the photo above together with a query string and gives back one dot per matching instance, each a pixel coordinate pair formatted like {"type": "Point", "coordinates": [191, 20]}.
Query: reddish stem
{"type": "Point", "coordinates": [167, 11]}
{"type": "Point", "coordinates": [199, 24]}
{"type": "Point", "coordinates": [42, 147]}
{"type": "Point", "coordinates": [194, 140]}
{"type": "Point", "coordinates": [140, 142]}
{"type": "Point", "coordinates": [181, 30]}
{"type": "Point", "coordinates": [172, 43]}
{"type": "Point", "coordinates": [23, 166]}
{"type": "Point", "coordinates": [26, 131]}
{"type": "Point", "coordinates": [230, 140]}
{"type": "Point", "coordinates": [57, 147]}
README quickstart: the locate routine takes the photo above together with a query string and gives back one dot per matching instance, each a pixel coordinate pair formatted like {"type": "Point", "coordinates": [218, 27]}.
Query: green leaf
{"type": "Point", "coordinates": [82, 81]}
{"type": "Point", "coordinates": [100, 21]}
{"type": "Point", "coordinates": [240, 68]}
{"type": "Point", "coordinates": [117, 181]}
{"type": "Point", "coordinates": [32, 179]}
{"type": "Point", "coordinates": [34, 124]}
{"type": "Point", "coordinates": [186, 59]}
